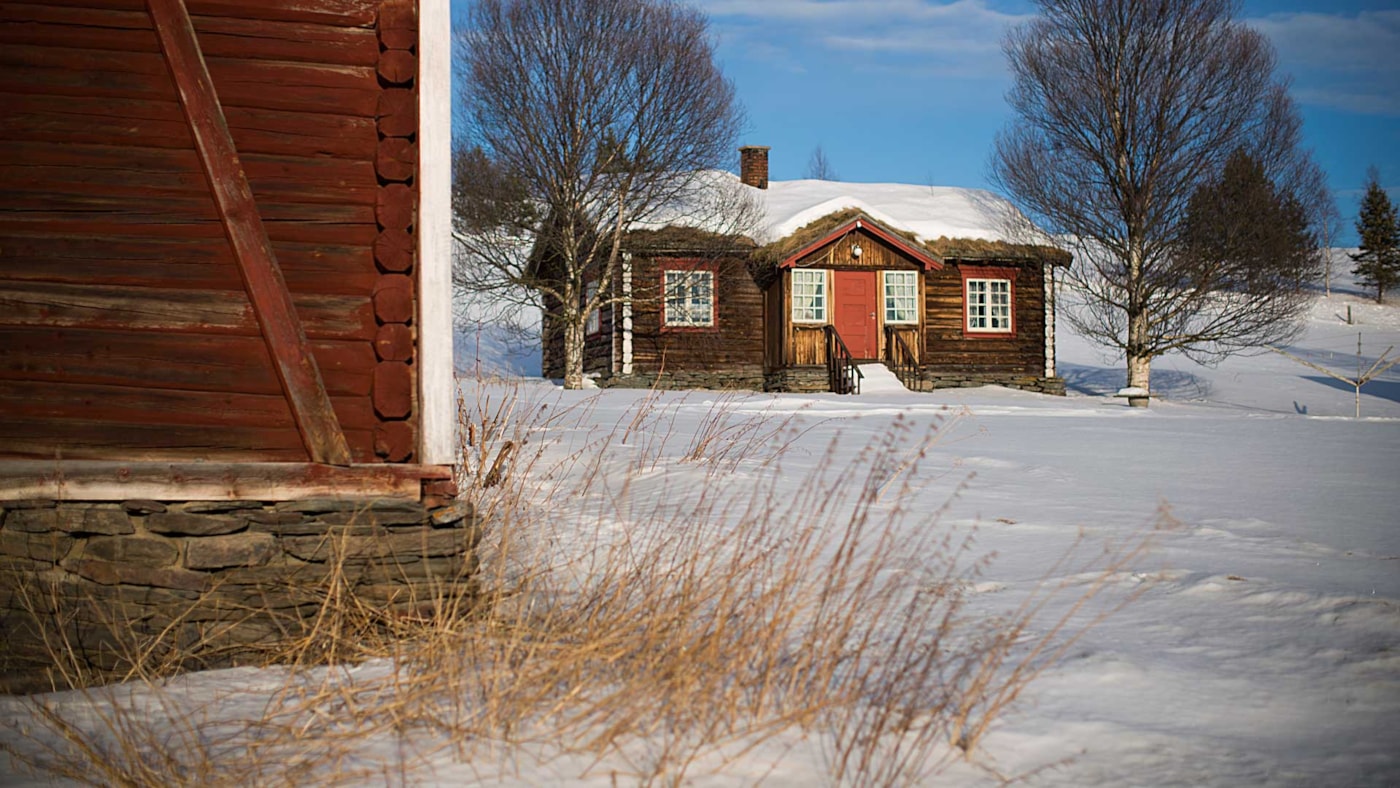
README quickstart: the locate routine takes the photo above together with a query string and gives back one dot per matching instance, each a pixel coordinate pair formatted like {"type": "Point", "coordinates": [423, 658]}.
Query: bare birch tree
{"type": "Point", "coordinates": [1321, 205]}
{"type": "Point", "coordinates": [1124, 110]}
{"type": "Point", "coordinates": [819, 167]}
{"type": "Point", "coordinates": [587, 118]}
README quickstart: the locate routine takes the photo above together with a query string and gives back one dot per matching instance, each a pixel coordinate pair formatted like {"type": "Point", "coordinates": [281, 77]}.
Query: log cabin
{"type": "Point", "coordinates": [224, 290]}
{"type": "Point", "coordinates": [946, 287]}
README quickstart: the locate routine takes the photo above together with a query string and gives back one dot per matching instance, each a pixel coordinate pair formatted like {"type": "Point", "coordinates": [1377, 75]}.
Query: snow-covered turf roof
{"type": "Point", "coordinates": [929, 212]}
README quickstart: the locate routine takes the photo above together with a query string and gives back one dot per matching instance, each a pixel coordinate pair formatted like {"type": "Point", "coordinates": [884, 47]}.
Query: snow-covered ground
{"type": "Point", "coordinates": [1264, 648]}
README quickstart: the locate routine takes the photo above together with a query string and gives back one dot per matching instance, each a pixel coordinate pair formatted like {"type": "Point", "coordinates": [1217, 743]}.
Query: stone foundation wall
{"type": "Point", "coordinates": [804, 380]}
{"type": "Point", "coordinates": [211, 582]}
{"type": "Point", "coordinates": [748, 377]}
{"type": "Point", "coordinates": [809, 379]}
{"type": "Point", "coordinates": [813, 379]}
{"type": "Point", "coordinates": [930, 380]}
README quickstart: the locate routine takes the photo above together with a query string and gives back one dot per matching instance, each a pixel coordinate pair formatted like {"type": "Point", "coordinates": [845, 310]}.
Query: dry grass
{"type": "Point", "coordinates": [655, 626]}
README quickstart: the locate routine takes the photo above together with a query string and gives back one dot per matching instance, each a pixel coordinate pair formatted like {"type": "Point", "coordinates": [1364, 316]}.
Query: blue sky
{"type": "Point", "coordinates": [912, 91]}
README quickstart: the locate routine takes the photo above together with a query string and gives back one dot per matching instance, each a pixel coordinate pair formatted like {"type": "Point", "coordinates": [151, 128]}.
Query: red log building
{"type": "Point", "coordinates": [223, 260]}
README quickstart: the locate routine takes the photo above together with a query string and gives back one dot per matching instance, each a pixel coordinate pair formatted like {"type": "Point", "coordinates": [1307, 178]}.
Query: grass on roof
{"type": "Point", "coordinates": [943, 248]}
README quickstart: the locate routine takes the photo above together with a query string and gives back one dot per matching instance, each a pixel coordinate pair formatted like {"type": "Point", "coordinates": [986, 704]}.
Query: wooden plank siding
{"type": "Point", "coordinates": [874, 253]}
{"type": "Point", "coordinates": [805, 344]}
{"type": "Point", "coordinates": [41, 304]}
{"type": "Point", "coordinates": [776, 317]}
{"type": "Point", "coordinates": [126, 330]}
{"type": "Point", "coordinates": [347, 13]}
{"type": "Point", "coordinates": [600, 349]}
{"type": "Point", "coordinates": [949, 348]}
{"type": "Point", "coordinates": [206, 481]}
{"type": "Point", "coordinates": [159, 124]}
{"type": "Point", "coordinates": [52, 24]}
{"type": "Point", "coordinates": [913, 340]}
{"type": "Point", "coordinates": [276, 314]}
{"type": "Point", "coordinates": [735, 340]}
{"type": "Point", "coordinates": [301, 87]}
{"type": "Point", "coordinates": [939, 341]}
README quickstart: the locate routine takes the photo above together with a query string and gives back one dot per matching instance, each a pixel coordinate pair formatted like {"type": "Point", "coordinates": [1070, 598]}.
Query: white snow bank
{"type": "Point", "coordinates": [878, 379]}
{"type": "Point", "coordinates": [1261, 651]}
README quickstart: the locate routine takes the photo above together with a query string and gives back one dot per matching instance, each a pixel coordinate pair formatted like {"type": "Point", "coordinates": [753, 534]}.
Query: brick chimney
{"type": "Point", "coordinates": [753, 166]}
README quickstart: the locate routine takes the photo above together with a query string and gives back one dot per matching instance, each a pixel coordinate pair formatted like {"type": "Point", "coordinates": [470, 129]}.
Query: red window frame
{"type": "Point", "coordinates": [990, 272]}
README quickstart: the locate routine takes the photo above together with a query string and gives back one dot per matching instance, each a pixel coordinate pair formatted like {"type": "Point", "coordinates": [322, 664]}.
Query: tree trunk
{"type": "Point", "coordinates": [1139, 359]}
{"type": "Point", "coordinates": [573, 351]}
{"type": "Point", "coordinates": [1140, 371]}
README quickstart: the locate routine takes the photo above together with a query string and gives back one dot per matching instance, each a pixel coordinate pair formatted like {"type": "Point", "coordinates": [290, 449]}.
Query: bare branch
{"type": "Point", "coordinates": [592, 117]}
{"type": "Point", "coordinates": [1126, 110]}
{"type": "Point", "coordinates": [819, 167]}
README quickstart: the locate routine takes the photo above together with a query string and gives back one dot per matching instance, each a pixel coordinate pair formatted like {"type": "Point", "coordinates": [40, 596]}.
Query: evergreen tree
{"type": "Point", "coordinates": [1378, 259]}
{"type": "Point", "coordinates": [1245, 234]}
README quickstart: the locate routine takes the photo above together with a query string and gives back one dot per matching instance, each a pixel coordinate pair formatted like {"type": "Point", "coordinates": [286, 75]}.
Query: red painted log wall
{"type": "Point", "coordinates": [125, 332]}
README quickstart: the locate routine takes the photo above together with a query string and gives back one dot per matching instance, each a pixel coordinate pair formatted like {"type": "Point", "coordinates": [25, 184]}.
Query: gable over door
{"type": "Point", "coordinates": [854, 305]}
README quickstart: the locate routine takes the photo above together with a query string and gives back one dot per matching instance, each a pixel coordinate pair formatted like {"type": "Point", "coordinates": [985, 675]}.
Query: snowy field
{"type": "Point", "coordinates": [1262, 648]}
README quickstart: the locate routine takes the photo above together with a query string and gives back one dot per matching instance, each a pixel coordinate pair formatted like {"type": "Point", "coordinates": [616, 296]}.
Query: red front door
{"type": "Point", "coordinates": [854, 303]}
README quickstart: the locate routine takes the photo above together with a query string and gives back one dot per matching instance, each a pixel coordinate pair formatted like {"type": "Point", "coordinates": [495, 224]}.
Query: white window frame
{"type": "Point", "coordinates": [689, 299]}
{"type": "Point", "coordinates": [816, 310]}
{"type": "Point", "coordinates": [895, 314]}
{"type": "Point", "coordinates": [595, 316]}
{"type": "Point", "coordinates": [988, 301]}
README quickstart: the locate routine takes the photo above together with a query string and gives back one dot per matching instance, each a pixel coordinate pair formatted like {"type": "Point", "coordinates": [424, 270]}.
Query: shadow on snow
{"type": "Point", "coordinates": [1105, 381]}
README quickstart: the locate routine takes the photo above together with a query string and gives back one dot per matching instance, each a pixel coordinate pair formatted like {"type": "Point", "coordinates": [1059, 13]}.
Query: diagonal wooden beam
{"type": "Point", "coordinates": [262, 278]}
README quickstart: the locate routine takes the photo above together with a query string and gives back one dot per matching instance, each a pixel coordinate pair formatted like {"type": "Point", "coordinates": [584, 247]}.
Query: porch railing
{"type": "Point", "coordinates": [900, 358]}
{"type": "Point", "coordinates": [842, 373]}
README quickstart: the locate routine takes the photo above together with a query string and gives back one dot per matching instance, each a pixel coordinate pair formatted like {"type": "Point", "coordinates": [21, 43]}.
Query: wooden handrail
{"type": "Point", "coordinates": [843, 376]}
{"type": "Point", "coordinates": [901, 359]}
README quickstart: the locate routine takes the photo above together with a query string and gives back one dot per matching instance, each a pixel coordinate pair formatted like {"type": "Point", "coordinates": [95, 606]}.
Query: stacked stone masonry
{"type": "Point", "coordinates": [739, 377]}
{"type": "Point", "coordinates": [212, 581]}
{"type": "Point", "coordinates": [948, 380]}
{"type": "Point", "coordinates": [803, 380]}
{"type": "Point", "coordinates": [808, 379]}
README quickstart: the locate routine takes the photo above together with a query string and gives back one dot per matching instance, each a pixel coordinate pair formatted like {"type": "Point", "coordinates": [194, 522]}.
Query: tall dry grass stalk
{"type": "Point", "coordinates": [660, 626]}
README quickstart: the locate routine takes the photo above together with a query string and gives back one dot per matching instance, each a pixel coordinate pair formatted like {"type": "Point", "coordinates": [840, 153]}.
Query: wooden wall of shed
{"type": "Point", "coordinates": [736, 339]}
{"type": "Point", "coordinates": [948, 348]}
{"type": "Point", "coordinates": [125, 331]}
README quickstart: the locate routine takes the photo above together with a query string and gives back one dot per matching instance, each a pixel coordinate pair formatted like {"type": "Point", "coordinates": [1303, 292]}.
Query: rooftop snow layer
{"type": "Point", "coordinates": [930, 212]}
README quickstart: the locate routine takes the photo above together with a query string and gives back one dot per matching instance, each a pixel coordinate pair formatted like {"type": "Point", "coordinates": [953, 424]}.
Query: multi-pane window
{"type": "Point", "coordinates": [989, 305]}
{"type": "Point", "coordinates": [690, 298]}
{"type": "Point", "coordinates": [901, 297]}
{"type": "Point", "coordinates": [808, 296]}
